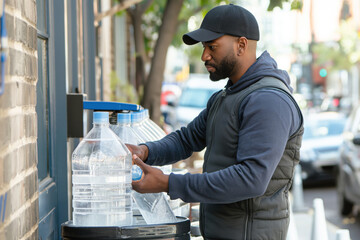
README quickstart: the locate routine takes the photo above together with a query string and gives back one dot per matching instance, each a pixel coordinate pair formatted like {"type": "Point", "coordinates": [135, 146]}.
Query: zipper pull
{"type": "Point", "coordinates": [223, 94]}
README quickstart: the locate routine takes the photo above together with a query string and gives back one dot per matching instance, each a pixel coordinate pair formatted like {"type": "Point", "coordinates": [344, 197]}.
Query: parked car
{"type": "Point", "coordinates": [194, 97]}
{"type": "Point", "coordinates": [348, 177]}
{"type": "Point", "coordinates": [319, 153]}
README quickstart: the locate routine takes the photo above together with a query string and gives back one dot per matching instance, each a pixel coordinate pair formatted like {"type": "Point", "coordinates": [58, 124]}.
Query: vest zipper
{"type": "Point", "coordinates": [216, 107]}
{"type": "Point", "coordinates": [223, 95]}
{"type": "Point", "coordinates": [246, 219]}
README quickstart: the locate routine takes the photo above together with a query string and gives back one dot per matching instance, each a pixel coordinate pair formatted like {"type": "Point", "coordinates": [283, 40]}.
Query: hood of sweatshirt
{"type": "Point", "coordinates": [264, 66]}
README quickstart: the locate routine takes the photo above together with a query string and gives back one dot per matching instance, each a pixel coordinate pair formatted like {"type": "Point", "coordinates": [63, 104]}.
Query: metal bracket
{"type": "Point", "coordinates": [75, 115]}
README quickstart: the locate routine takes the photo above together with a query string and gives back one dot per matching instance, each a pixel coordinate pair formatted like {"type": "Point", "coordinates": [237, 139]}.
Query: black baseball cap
{"type": "Point", "coordinates": [225, 20]}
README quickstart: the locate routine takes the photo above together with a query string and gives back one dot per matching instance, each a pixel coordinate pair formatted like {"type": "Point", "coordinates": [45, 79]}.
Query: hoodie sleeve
{"type": "Point", "coordinates": [268, 118]}
{"type": "Point", "coordinates": [180, 144]}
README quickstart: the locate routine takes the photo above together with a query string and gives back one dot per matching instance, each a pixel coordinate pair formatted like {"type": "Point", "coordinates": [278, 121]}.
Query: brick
{"type": "Point", "coordinates": [12, 230]}
{"type": "Point", "coordinates": [34, 235]}
{"type": "Point", "coordinates": [31, 185]}
{"type": "Point", "coordinates": [16, 196]}
{"type": "Point", "coordinates": [6, 100]}
{"type": "Point", "coordinates": [30, 11]}
{"type": "Point", "coordinates": [12, 4]}
{"type": "Point", "coordinates": [5, 124]}
{"type": "Point", "coordinates": [30, 67]}
{"type": "Point", "coordinates": [8, 174]}
{"type": "Point", "coordinates": [16, 129]}
{"type": "Point", "coordinates": [17, 62]}
{"type": "Point", "coordinates": [19, 4]}
{"type": "Point", "coordinates": [23, 161]}
{"type": "Point", "coordinates": [29, 95]}
{"type": "Point", "coordinates": [30, 125]}
{"type": "Point", "coordinates": [18, 94]}
{"type": "Point", "coordinates": [10, 26]}
{"type": "Point", "coordinates": [21, 31]}
{"type": "Point", "coordinates": [34, 216]}
{"type": "Point", "coordinates": [33, 67]}
{"type": "Point", "coordinates": [32, 154]}
{"type": "Point", "coordinates": [32, 37]}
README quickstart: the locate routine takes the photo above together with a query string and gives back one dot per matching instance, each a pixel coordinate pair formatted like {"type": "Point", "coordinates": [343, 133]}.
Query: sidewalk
{"type": "Point", "coordinates": [304, 223]}
{"type": "Point", "coordinates": [303, 227]}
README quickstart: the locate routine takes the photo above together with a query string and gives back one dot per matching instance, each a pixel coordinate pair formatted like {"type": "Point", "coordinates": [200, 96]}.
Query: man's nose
{"type": "Point", "coordinates": [205, 55]}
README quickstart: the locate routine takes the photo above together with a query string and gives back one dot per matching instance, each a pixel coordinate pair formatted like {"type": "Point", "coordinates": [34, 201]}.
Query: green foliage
{"type": "Point", "coordinates": [295, 4]}
{"type": "Point", "coordinates": [122, 92]}
{"type": "Point", "coordinates": [152, 20]}
{"type": "Point", "coordinates": [193, 12]}
{"type": "Point", "coordinates": [342, 54]}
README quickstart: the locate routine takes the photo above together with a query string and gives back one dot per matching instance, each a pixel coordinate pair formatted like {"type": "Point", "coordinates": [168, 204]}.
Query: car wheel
{"type": "Point", "coordinates": [345, 205]}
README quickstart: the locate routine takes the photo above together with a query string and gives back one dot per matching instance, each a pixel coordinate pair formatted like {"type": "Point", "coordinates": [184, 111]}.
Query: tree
{"type": "Point", "coordinates": [174, 14]}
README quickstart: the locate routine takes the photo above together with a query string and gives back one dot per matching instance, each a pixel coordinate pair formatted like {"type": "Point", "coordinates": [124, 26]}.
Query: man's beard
{"type": "Point", "coordinates": [222, 70]}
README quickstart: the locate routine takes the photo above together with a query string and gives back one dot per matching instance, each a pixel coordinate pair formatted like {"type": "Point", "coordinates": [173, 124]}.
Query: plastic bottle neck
{"type": "Point", "coordinates": [124, 124]}
{"type": "Point", "coordinates": [101, 125]}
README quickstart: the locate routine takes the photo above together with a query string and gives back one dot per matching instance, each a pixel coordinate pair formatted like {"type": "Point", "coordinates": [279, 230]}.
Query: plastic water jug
{"type": "Point", "coordinates": [101, 177]}
{"type": "Point", "coordinates": [154, 207]}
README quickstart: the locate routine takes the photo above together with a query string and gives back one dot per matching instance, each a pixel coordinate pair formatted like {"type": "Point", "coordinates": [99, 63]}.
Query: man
{"type": "Point", "coordinates": [252, 132]}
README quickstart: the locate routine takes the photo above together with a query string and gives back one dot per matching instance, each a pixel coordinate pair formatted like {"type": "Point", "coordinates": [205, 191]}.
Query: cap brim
{"type": "Point", "coordinates": [200, 35]}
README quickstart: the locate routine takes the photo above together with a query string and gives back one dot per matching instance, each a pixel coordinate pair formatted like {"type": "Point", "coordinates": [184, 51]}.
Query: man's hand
{"type": "Point", "coordinates": [153, 181]}
{"type": "Point", "coordinates": [141, 151]}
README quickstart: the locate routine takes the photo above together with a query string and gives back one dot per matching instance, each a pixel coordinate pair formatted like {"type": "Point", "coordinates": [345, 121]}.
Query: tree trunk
{"type": "Point", "coordinates": [152, 90]}
{"type": "Point", "coordinates": [136, 18]}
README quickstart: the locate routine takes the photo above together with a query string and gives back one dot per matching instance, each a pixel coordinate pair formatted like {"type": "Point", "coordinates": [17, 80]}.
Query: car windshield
{"type": "Point", "coordinates": [195, 97]}
{"type": "Point", "coordinates": [323, 128]}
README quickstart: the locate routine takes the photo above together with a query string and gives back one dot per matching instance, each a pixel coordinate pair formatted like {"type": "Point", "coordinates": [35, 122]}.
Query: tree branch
{"type": "Point", "coordinates": [121, 6]}
{"type": "Point", "coordinates": [144, 6]}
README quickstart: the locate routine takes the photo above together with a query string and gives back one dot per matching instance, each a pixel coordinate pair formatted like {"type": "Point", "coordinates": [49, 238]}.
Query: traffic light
{"type": "Point", "coordinates": [319, 75]}
{"type": "Point", "coordinates": [323, 72]}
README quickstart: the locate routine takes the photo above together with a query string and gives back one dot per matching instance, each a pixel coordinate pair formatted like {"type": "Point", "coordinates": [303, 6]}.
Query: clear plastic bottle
{"type": "Point", "coordinates": [150, 125]}
{"type": "Point", "coordinates": [147, 130]}
{"type": "Point", "coordinates": [154, 207]}
{"type": "Point", "coordinates": [124, 130]}
{"type": "Point", "coordinates": [101, 177]}
{"type": "Point", "coordinates": [139, 129]}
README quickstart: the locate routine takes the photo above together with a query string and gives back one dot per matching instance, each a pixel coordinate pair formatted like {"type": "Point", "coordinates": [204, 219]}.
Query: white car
{"type": "Point", "coordinates": [194, 97]}
{"type": "Point", "coordinates": [319, 153]}
{"type": "Point", "coordinates": [348, 179]}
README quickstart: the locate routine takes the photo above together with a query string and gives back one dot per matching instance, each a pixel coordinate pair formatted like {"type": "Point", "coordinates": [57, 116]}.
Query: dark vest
{"type": "Point", "coordinates": [264, 217]}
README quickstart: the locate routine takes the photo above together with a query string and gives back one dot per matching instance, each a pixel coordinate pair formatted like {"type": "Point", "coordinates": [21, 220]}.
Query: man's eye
{"type": "Point", "coordinates": [211, 48]}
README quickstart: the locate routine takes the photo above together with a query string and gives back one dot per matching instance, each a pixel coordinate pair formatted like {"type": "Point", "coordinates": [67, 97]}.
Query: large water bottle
{"type": "Point", "coordinates": [150, 125]}
{"type": "Point", "coordinates": [154, 207]}
{"type": "Point", "coordinates": [123, 129]}
{"type": "Point", "coordinates": [101, 177]}
{"type": "Point", "coordinates": [138, 127]}
{"type": "Point", "coordinates": [147, 130]}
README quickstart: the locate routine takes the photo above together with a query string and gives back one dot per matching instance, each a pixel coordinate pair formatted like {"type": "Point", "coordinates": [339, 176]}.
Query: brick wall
{"type": "Point", "coordinates": [18, 126]}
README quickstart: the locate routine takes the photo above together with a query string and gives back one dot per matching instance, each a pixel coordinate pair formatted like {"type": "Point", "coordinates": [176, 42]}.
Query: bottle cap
{"type": "Point", "coordinates": [123, 117]}
{"type": "Point", "coordinates": [136, 117]}
{"type": "Point", "coordinates": [137, 173]}
{"type": "Point", "coordinates": [101, 117]}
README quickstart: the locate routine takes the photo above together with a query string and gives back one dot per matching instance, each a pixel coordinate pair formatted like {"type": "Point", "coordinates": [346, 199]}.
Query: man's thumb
{"type": "Point", "coordinates": [139, 162]}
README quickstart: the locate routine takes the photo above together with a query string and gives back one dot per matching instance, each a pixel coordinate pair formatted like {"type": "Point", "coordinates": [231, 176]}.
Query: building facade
{"type": "Point", "coordinates": [52, 51]}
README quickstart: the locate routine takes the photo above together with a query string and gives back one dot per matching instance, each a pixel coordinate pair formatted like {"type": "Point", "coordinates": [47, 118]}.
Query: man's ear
{"type": "Point", "coordinates": [241, 45]}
